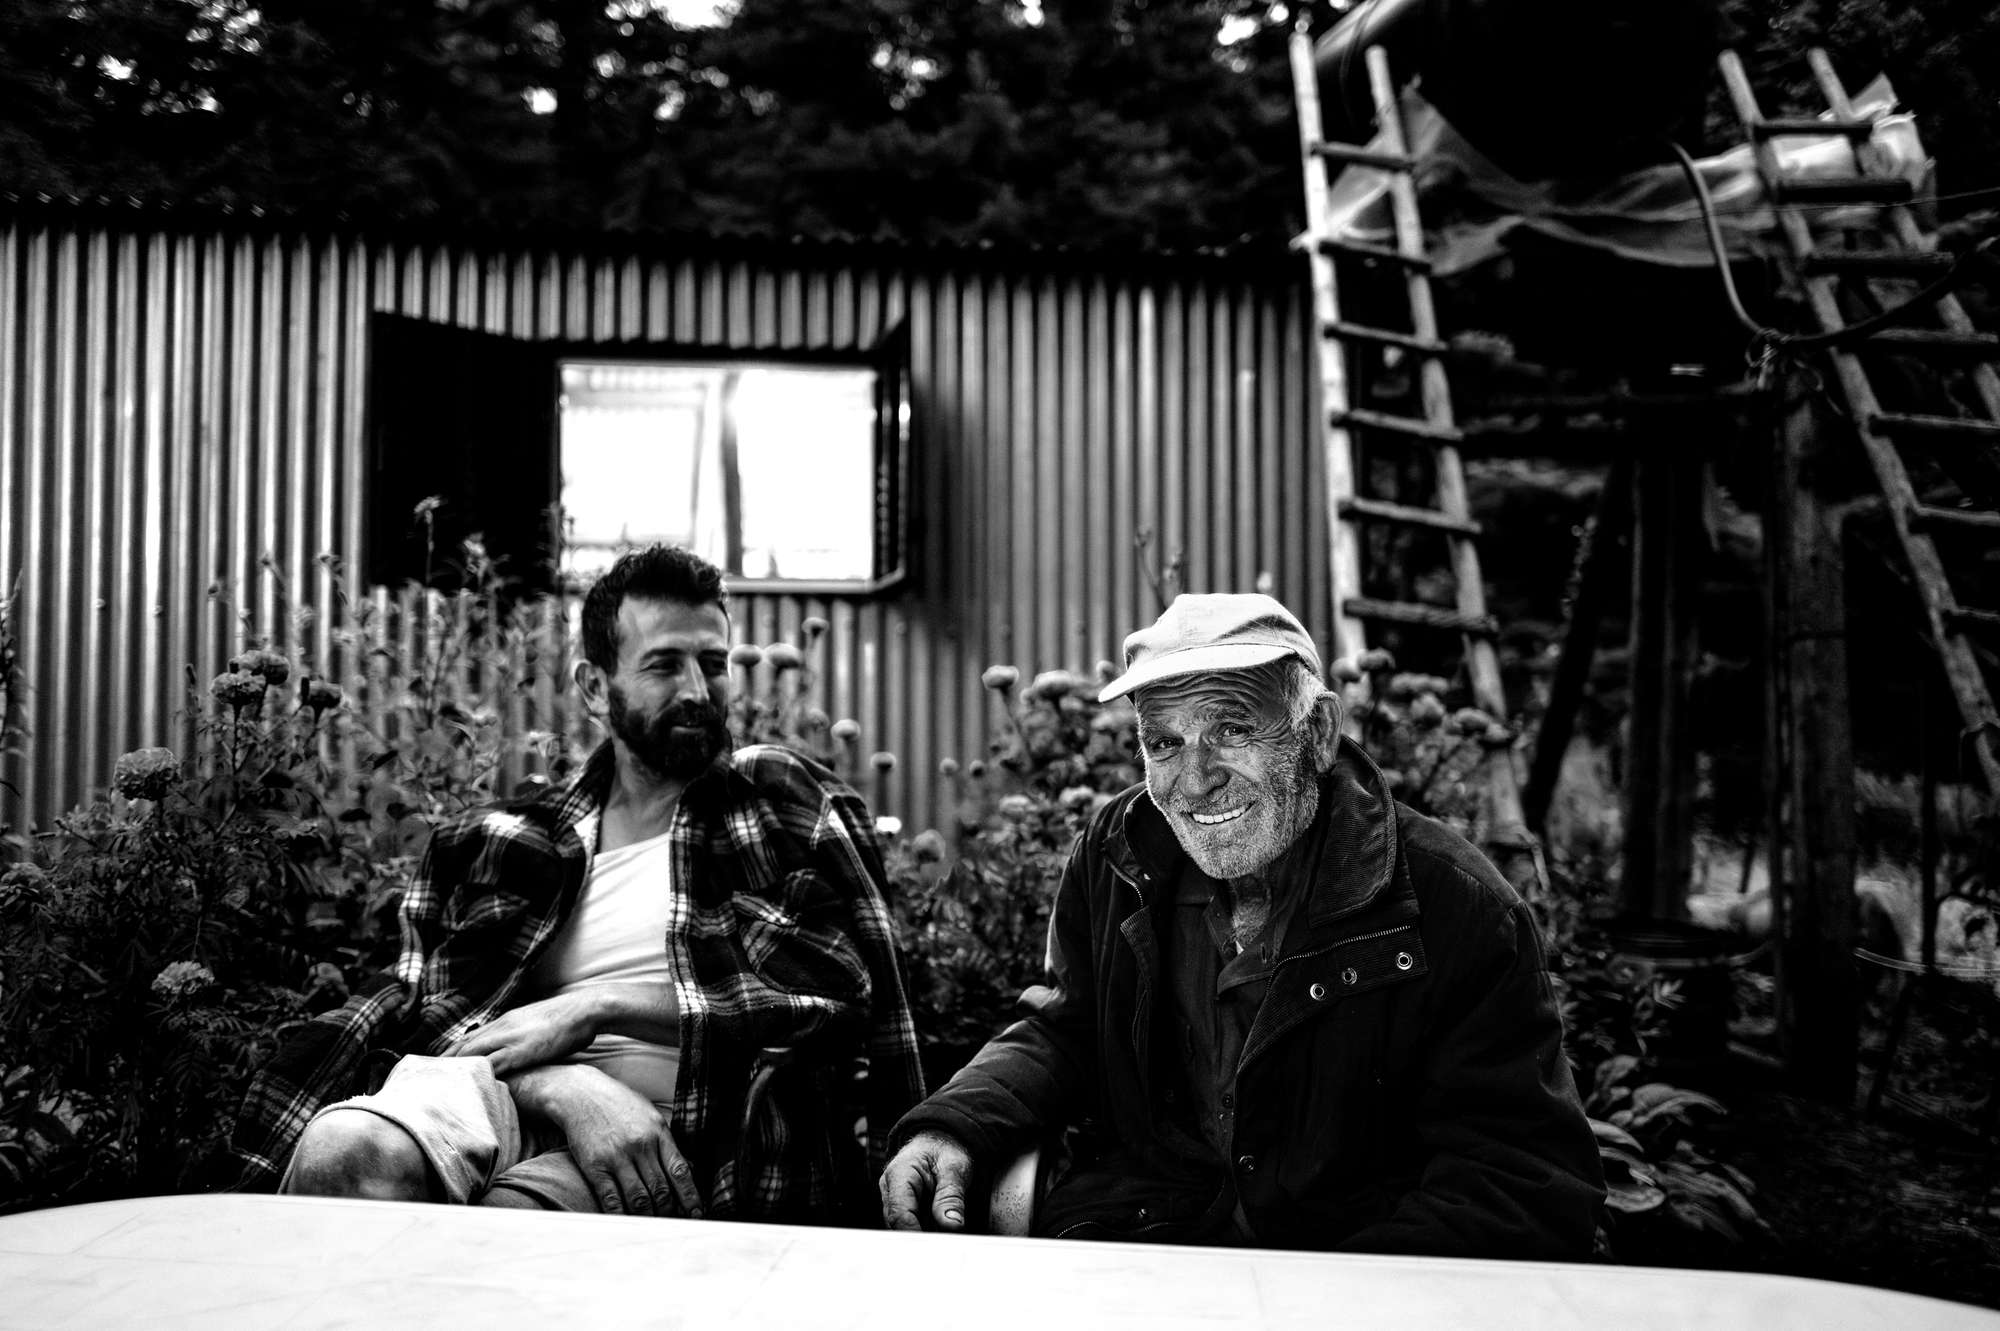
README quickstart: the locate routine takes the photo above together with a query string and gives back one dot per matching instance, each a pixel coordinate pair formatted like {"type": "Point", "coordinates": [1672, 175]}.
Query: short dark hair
{"type": "Point", "coordinates": [656, 573]}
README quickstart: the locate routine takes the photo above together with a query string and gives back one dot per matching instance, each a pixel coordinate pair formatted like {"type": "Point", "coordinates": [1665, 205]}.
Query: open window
{"type": "Point", "coordinates": [787, 469]}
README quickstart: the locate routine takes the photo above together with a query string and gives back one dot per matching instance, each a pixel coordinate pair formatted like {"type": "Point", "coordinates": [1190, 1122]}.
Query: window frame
{"type": "Point", "coordinates": [893, 444]}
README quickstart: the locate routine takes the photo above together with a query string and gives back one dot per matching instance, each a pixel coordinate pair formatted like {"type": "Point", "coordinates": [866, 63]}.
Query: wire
{"type": "Point", "coordinates": [1766, 340]}
{"type": "Point", "coordinates": [1985, 191]}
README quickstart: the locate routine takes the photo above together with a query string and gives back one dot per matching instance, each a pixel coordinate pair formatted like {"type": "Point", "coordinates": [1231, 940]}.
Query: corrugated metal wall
{"type": "Point", "coordinates": [180, 440]}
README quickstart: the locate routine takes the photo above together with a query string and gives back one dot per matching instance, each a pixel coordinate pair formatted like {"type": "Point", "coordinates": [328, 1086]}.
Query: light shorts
{"type": "Point", "coordinates": [465, 1121]}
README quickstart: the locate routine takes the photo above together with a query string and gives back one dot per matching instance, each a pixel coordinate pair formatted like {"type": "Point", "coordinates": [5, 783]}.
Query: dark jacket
{"type": "Point", "coordinates": [1403, 1087]}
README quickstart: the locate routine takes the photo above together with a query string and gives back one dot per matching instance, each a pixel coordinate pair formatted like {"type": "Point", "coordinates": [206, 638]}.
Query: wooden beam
{"type": "Point", "coordinates": [1600, 561]}
{"type": "Point", "coordinates": [1659, 768]}
{"type": "Point", "coordinates": [1811, 766]}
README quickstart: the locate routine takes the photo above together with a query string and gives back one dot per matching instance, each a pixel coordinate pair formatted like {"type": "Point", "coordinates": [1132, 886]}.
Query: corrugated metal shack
{"type": "Point", "coordinates": [184, 403]}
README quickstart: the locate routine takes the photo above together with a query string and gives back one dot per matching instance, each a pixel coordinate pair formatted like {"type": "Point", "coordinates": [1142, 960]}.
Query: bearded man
{"type": "Point", "coordinates": [670, 988]}
{"type": "Point", "coordinates": [1281, 1009]}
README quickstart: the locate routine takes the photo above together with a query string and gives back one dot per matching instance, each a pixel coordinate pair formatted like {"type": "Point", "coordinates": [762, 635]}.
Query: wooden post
{"type": "Point", "coordinates": [1597, 581]}
{"type": "Point", "coordinates": [1811, 765]}
{"type": "Point", "coordinates": [1659, 749]}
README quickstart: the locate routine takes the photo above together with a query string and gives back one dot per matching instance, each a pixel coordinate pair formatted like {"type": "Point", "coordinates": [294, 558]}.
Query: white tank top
{"type": "Point", "coordinates": [618, 934]}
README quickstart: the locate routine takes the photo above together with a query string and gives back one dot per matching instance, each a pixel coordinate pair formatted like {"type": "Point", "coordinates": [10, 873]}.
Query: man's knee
{"type": "Point", "coordinates": [503, 1196]}
{"type": "Point", "coordinates": [353, 1153]}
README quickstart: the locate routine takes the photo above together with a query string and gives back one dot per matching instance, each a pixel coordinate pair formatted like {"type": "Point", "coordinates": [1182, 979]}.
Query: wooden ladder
{"type": "Point", "coordinates": [1348, 509]}
{"type": "Point", "coordinates": [1953, 503]}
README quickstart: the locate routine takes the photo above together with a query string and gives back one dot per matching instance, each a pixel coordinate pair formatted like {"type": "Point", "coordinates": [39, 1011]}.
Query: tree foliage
{"type": "Point", "coordinates": [1089, 122]}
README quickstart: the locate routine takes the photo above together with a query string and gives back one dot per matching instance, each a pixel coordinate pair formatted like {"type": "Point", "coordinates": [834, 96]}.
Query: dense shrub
{"type": "Point", "coordinates": [160, 939]}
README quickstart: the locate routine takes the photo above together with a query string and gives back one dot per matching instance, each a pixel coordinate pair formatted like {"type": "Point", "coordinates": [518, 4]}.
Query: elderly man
{"type": "Point", "coordinates": [656, 991]}
{"type": "Point", "coordinates": [1281, 1009]}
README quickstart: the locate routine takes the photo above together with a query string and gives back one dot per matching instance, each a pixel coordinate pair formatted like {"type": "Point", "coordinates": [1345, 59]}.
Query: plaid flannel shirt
{"type": "Point", "coordinates": [794, 1022]}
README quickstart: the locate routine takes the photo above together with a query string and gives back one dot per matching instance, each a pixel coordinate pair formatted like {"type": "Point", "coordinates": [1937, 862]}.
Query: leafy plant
{"type": "Point", "coordinates": [1430, 754]}
{"type": "Point", "coordinates": [974, 920]}
{"type": "Point", "coordinates": [1667, 1201]}
{"type": "Point", "coordinates": [156, 944]}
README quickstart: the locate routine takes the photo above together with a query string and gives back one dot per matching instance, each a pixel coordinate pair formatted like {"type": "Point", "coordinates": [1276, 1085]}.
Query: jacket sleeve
{"type": "Point", "coordinates": [895, 1071]}
{"type": "Point", "coordinates": [1032, 1076]}
{"type": "Point", "coordinates": [1513, 1169]}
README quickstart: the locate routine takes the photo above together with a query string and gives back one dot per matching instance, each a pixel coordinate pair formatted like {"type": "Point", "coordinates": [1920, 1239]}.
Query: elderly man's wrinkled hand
{"type": "Point", "coordinates": [925, 1185]}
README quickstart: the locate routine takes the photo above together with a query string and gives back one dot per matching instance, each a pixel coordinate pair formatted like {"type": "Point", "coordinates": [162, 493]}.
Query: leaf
{"type": "Point", "coordinates": [1612, 1071]}
{"type": "Point", "coordinates": [1658, 1100]}
{"type": "Point", "coordinates": [1625, 1166]}
{"type": "Point", "coordinates": [1617, 1136]}
{"type": "Point", "coordinates": [1633, 1198]}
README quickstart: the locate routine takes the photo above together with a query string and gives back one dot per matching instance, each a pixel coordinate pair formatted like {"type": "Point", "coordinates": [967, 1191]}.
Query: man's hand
{"type": "Point", "coordinates": [620, 1141]}
{"type": "Point", "coordinates": [927, 1179]}
{"type": "Point", "coordinates": [532, 1034]}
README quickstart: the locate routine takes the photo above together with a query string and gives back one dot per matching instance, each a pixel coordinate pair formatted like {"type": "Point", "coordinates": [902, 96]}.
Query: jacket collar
{"type": "Point", "coordinates": [1356, 824]}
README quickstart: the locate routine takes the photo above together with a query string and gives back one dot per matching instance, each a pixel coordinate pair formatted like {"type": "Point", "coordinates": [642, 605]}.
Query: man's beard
{"type": "Point", "coordinates": [679, 741]}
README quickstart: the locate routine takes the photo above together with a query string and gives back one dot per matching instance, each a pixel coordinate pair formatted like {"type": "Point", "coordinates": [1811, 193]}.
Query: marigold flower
{"type": "Point", "coordinates": [976, 768]}
{"type": "Point", "coordinates": [812, 628]}
{"type": "Point", "coordinates": [1000, 678]}
{"type": "Point", "coordinates": [182, 979]}
{"type": "Point", "coordinates": [1017, 808]}
{"type": "Point", "coordinates": [238, 688]}
{"type": "Point", "coordinates": [947, 767]}
{"type": "Point", "coordinates": [783, 656]}
{"type": "Point", "coordinates": [1077, 798]}
{"type": "Point", "coordinates": [322, 695]}
{"type": "Point", "coordinates": [1106, 671]}
{"type": "Point", "coordinates": [1376, 658]}
{"type": "Point", "coordinates": [847, 730]}
{"type": "Point", "coordinates": [146, 774]}
{"type": "Point", "coordinates": [1427, 711]}
{"type": "Point", "coordinates": [814, 718]}
{"type": "Point", "coordinates": [1469, 720]}
{"type": "Point", "coordinates": [1055, 683]}
{"type": "Point", "coordinates": [747, 655]}
{"type": "Point", "coordinates": [883, 761]}
{"type": "Point", "coordinates": [262, 661]}
{"type": "Point", "coordinates": [888, 825]}
{"type": "Point", "coordinates": [1345, 671]}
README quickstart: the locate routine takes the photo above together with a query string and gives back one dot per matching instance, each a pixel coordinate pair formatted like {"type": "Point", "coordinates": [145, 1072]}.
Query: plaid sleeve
{"type": "Point", "coordinates": [462, 938]}
{"type": "Point", "coordinates": [840, 832]}
{"type": "Point", "coordinates": [319, 1061]}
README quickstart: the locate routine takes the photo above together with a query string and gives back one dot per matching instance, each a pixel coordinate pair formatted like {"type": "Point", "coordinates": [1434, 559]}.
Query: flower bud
{"type": "Point", "coordinates": [1376, 658]}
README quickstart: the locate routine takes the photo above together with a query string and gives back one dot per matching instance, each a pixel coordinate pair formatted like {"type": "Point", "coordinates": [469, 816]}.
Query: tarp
{"type": "Point", "coordinates": [1473, 210]}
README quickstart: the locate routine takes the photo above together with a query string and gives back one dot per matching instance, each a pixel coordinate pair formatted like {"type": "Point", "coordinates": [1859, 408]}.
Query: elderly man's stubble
{"type": "Point", "coordinates": [1235, 775]}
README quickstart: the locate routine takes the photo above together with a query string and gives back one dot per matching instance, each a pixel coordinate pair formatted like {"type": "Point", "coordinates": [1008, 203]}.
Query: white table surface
{"type": "Point", "coordinates": [255, 1261]}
